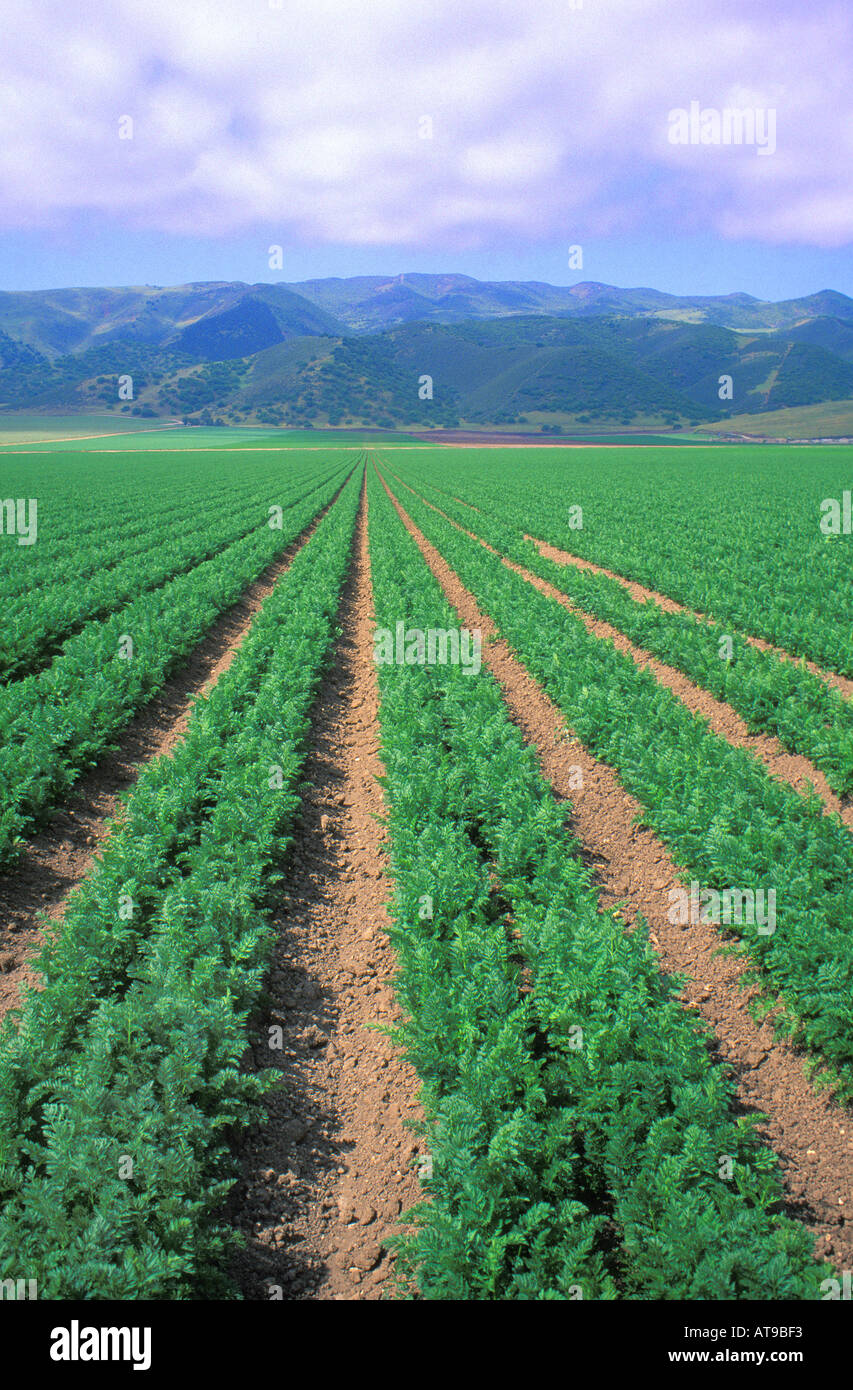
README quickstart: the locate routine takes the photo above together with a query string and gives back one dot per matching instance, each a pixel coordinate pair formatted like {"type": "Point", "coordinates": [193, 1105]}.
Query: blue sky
{"type": "Point", "coordinates": [684, 265]}
{"type": "Point", "coordinates": [163, 143]}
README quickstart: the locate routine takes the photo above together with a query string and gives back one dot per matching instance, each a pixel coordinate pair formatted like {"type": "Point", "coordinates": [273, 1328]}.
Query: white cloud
{"type": "Point", "coordinates": [547, 121]}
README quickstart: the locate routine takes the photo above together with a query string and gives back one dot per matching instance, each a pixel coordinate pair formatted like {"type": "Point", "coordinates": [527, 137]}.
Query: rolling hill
{"type": "Point", "coordinates": [551, 372]}
{"type": "Point", "coordinates": [359, 351]}
{"type": "Point", "coordinates": [370, 303]}
{"type": "Point", "coordinates": [218, 320]}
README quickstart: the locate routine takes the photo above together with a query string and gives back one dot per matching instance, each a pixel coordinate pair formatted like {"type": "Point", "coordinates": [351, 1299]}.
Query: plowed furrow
{"type": "Point", "coordinates": [334, 1166]}
{"type": "Point", "coordinates": [798, 771]}
{"type": "Point", "coordinates": [843, 684]}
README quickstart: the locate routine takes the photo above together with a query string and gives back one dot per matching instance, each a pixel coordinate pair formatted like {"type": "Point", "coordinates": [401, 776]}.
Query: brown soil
{"type": "Point", "coordinates": [494, 439]}
{"type": "Point", "coordinates": [64, 849]}
{"type": "Point", "coordinates": [329, 1173]}
{"type": "Point", "coordinates": [812, 1136]}
{"type": "Point", "coordinates": [669, 605]}
{"type": "Point", "coordinates": [792, 768]}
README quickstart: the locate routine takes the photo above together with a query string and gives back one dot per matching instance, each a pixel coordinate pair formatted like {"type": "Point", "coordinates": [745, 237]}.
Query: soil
{"type": "Point", "coordinates": [494, 439]}
{"type": "Point", "coordinates": [641, 594]}
{"type": "Point", "coordinates": [633, 872]}
{"type": "Point", "coordinates": [328, 1180]}
{"type": "Point", "coordinates": [328, 1175]}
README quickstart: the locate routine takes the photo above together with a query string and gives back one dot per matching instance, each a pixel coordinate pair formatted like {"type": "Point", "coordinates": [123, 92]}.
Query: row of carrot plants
{"type": "Point", "coordinates": [725, 820]}
{"type": "Point", "coordinates": [774, 696]}
{"type": "Point", "coordinates": [91, 513]}
{"type": "Point", "coordinates": [35, 625]}
{"type": "Point", "coordinates": [87, 535]}
{"type": "Point", "coordinates": [734, 533]}
{"type": "Point", "coordinates": [120, 1085]}
{"type": "Point", "coordinates": [576, 1124]}
{"type": "Point", "coordinates": [55, 724]}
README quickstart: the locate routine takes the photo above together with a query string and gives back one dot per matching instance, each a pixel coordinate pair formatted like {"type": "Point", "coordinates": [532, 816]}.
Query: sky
{"type": "Point", "coordinates": [156, 142]}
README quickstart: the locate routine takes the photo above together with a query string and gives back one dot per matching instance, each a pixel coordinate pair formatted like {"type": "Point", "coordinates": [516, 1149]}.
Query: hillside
{"type": "Point", "coordinates": [370, 303]}
{"type": "Point", "coordinates": [213, 320]}
{"type": "Point", "coordinates": [218, 320]}
{"type": "Point", "coordinates": [829, 420]}
{"type": "Point", "coordinates": [533, 370]}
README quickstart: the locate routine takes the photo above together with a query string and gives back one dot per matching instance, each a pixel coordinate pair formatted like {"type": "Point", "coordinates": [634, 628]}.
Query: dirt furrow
{"type": "Point", "coordinates": [798, 771]}
{"type": "Point", "coordinates": [336, 1163]}
{"type": "Point", "coordinates": [634, 872]}
{"type": "Point", "coordinates": [63, 850]}
{"type": "Point", "coordinates": [643, 595]}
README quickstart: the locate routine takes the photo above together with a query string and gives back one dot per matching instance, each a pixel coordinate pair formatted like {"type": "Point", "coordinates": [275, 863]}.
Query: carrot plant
{"type": "Point", "coordinates": [731, 531]}
{"type": "Point", "coordinates": [725, 820]}
{"type": "Point", "coordinates": [575, 1120]}
{"type": "Point", "coordinates": [120, 1085]}
{"type": "Point", "coordinates": [55, 724]}
{"type": "Point", "coordinates": [36, 623]}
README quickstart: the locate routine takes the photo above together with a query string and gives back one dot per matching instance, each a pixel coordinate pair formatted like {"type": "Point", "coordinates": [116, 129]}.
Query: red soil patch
{"type": "Point", "coordinates": [472, 439]}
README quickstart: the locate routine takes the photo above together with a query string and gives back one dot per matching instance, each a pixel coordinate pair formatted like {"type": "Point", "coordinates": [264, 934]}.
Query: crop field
{"type": "Point", "coordinates": [118, 434]}
{"type": "Point", "coordinates": [426, 872]}
{"type": "Point", "coordinates": [21, 428]}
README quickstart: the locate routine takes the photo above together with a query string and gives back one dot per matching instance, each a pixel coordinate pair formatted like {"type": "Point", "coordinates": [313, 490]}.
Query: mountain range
{"type": "Point", "coordinates": [220, 319]}
{"type": "Point", "coordinates": [358, 350]}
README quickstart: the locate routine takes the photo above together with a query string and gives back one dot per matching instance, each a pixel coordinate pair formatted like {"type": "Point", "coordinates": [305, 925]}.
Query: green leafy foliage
{"type": "Point", "coordinates": [725, 820]}
{"type": "Point", "coordinates": [780, 697]}
{"type": "Point", "coordinates": [132, 1048]}
{"type": "Point", "coordinates": [558, 1171]}
{"type": "Point", "coordinates": [57, 722]}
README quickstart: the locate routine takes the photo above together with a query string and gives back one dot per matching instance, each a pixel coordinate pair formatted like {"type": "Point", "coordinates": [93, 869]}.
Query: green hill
{"type": "Point", "coordinates": [226, 319]}
{"type": "Point", "coordinates": [247, 363]}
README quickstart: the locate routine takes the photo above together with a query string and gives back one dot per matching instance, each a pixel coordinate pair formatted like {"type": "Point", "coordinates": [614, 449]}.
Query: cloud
{"type": "Point", "coordinates": [307, 121]}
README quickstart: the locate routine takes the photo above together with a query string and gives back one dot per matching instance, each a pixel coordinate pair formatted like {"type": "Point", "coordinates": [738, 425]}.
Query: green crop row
{"type": "Point", "coordinates": [725, 820]}
{"type": "Point", "coordinates": [34, 625]}
{"type": "Point", "coordinates": [89, 515]}
{"type": "Point", "coordinates": [733, 533]}
{"type": "Point", "coordinates": [577, 1126]}
{"type": "Point", "coordinates": [77, 538]}
{"type": "Point", "coordinates": [772, 695]}
{"type": "Point", "coordinates": [94, 512]}
{"type": "Point", "coordinates": [54, 724]}
{"type": "Point", "coordinates": [121, 1087]}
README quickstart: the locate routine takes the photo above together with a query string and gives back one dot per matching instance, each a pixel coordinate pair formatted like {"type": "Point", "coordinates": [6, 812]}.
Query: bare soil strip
{"type": "Point", "coordinates": [799, 772]}
{"type": "Point", "coordinates": [63, 850]}
{"type": "Point", "coordinates": [643, 595]}
{"type": "Point", "coordinates": [812, 1136]}
{"type": "Point", "coordinates": [472, 439]}
{"type": "Point", "coordinates": [330, 1172]}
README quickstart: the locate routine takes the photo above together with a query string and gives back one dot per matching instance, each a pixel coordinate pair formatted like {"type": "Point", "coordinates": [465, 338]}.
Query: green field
{"type": "Point", "coordinates": [118, 434]}
{"type": "Point", "coordinates": [22, 428]}
{"type": "Point", "coordinates": [718, 812]}
{"type": "Point", "coordinates": [733, 532]}
{"type": "Point", "coordinates": [574, 1112]}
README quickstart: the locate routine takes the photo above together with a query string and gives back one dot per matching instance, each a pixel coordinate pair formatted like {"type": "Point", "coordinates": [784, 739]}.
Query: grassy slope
{"type": "Point", "coordinates": [827, 420]}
